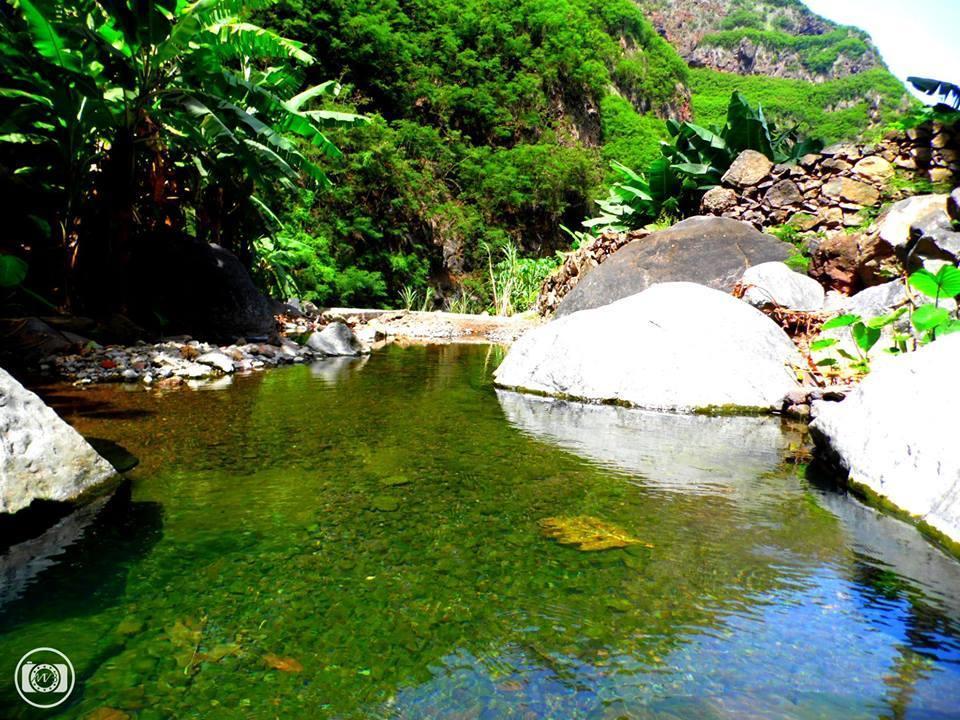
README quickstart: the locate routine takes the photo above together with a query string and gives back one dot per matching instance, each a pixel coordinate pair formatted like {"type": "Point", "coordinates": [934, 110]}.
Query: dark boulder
{"type": "Point", "coordinates": [189, 287]}
{"type": "Point", "coordinates": [711, 251]}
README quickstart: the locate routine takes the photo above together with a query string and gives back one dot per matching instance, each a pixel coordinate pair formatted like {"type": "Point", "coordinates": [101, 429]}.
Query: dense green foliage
{"type": "Point", "coordinates": [832, 110]}
{"type": "Point", "coordinates": [493, 123]}
{"type": "Point", "coordinates": [692, 161]}
{"type": "Point", "coordinates": [125, 122]}
{"type": "Point", "coordinates": [490, 125]}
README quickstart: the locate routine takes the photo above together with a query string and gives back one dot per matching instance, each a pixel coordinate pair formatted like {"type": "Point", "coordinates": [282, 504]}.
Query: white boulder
{"type": "Point", "coordinates": [675, 346]}
{"type": "Point", "coordinates": [41, 456]}
{"type": "Point", "coordinates": [775, 284]}
{"type": "Point", "coordinates": [895, 434]}
{"type": "Point", "coordinates": [336, 339]}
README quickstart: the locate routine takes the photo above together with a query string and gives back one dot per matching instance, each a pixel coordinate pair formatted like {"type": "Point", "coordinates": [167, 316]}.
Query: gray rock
{"type": "Point", "coordinates": [748, 169]}
{"type": "Point", "coordinates": [213, 296]}
{"type": "Point", "coordinates": [776, 284]}
{"type": "Point", "coordinates": [784, 194]}
{"type": "Point", "coordinates": [712, 251]}
{"type": "Point", "coordinates": [193, 370]}
{"type": "Point", "coordinates": [335, 339]}
{"type": "Point", "coordinates": [953, 205]}
{"type": "Point", "coordinates": [894, 223]}
{"type": "Point", "coordinates": [217, 360]}
{"type": "Point", "coordinates": [932, 238]}
{"type": "Point", "coordinates": [41, 457]}
{"type": "Point", "coordinates": [873, 302]}
{"type": "Point", "coordinates": [676, 346]}
{"type": "Point", "coordinates": [877, 300]}
{"type": "Point", "coordinates": [885, 437]}
{"type": "Point", "coordinates": [718, 199]}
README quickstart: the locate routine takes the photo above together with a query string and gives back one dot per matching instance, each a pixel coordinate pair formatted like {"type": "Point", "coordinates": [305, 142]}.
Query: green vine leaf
{"type": "Point", "coordinates": [840, 321]}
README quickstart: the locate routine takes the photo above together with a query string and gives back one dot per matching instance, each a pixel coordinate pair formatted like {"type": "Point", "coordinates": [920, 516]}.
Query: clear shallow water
{"type": "Point", "coordinates": [258, 531]}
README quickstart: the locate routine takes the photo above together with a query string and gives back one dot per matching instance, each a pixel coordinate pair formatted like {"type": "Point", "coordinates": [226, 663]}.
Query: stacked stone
{"type": "Point", "coordinates": [931, 151]}
{"type": "Point", "coordinates": [829, 190]}
{"type": "Point", "coordinates": [578, 262]}
{"type": "Point", "coordinates": [824, 191]}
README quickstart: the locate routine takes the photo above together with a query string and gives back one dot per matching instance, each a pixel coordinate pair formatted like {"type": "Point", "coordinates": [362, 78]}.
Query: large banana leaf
{"type": "Point", "coordinates": [746, 127]}
{"type": "Point", "coordinates": [47, 41]}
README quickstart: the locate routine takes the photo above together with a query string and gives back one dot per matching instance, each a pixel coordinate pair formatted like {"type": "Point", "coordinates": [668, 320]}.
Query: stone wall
{"type": "Point", "coordinates": [824, 195]}
{"type": "Point", "coordinates": [829, 190]}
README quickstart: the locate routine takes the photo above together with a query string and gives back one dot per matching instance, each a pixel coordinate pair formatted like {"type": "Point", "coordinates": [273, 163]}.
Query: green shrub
{"type": "Point", "coordinates": [799, 102]}
{"type": "Point", "coordinates": [629, 137]}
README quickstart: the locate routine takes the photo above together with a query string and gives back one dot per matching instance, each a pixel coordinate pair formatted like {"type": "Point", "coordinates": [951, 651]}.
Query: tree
{"type": "Point", "coordinates": [130, 117]}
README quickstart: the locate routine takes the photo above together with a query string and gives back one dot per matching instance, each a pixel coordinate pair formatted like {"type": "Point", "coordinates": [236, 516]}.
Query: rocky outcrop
{"type": "Point", "coordinates": [889, 435]}
{"type": "Point", "coordinates": [775, 285]}
{"type": "Point", "coordinates": [690, 24]}
{"type": "Point", "coordinates": [676, 346]}
{"type": "Point", "coordinates": [41, 457]}
{"type": "Point", "coordinates": [707, 250]}
{"type": "Point", "coordinates": [197, 289]}
{"type": "Point", "coordinates": [578, 263]}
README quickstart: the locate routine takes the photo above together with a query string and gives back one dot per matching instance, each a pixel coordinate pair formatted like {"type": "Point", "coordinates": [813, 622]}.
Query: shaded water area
{"type": "Point", "coordinates": [361, 539]}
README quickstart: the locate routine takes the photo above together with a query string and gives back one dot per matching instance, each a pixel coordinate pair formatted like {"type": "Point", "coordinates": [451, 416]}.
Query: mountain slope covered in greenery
{"type": "Point", "coordinates": [492, 123]}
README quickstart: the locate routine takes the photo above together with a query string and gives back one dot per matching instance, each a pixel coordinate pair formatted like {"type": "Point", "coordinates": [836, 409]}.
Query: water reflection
{"type": "Point", "coordinates": [332, 370]}
{"type": "Point", "coordinates": [692, 453]}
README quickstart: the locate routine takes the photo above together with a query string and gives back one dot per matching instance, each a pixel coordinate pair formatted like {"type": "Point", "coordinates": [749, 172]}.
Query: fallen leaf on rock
{"type": "Point", "coordinates": [587, 533]}
{"type": "Point", "coordinates": [282, 664]}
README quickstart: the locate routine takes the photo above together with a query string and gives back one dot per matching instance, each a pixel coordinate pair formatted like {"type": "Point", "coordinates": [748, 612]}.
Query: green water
{"type": "Point", "coordinates": [374, 525]}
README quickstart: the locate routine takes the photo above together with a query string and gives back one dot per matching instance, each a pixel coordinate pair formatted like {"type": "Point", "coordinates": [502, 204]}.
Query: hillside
{"type": "Point", "coordinates": [493, 123]}
{"type": "Point", "coordinates": [802, 67]}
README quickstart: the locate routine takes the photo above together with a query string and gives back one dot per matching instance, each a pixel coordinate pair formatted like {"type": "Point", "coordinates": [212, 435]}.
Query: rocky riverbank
{"type": "Point", "coordinates": [304, 337]}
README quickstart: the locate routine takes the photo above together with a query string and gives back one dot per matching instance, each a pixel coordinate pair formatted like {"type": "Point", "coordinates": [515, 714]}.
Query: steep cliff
{"type": "Point", "coordinates": [778, 38]}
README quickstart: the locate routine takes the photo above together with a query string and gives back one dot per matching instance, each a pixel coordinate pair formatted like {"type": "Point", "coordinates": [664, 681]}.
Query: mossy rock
{"type": "Point", "coordinates": [587, 533]}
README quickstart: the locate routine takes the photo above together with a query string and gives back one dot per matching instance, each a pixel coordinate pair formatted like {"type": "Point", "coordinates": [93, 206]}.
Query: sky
{"type": "Point", "coordinates": [915, 37]}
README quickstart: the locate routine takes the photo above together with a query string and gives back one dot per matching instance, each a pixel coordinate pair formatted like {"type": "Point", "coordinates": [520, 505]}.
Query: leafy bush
{"type": "Point", "coordinates": [123, 120]}
{"type": "Point", "coordinates": [929, 320]}
{"type": "Point", "coordinates": [515, 282]}
{"type": "Point", "coordinates": [629, 137]}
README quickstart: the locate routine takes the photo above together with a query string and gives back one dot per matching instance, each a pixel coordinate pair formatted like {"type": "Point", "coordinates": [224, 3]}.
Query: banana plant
{"type": "Point", "coordinates": [694, 160]}
{"type": "Point", "coordinates": [142, 113]}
